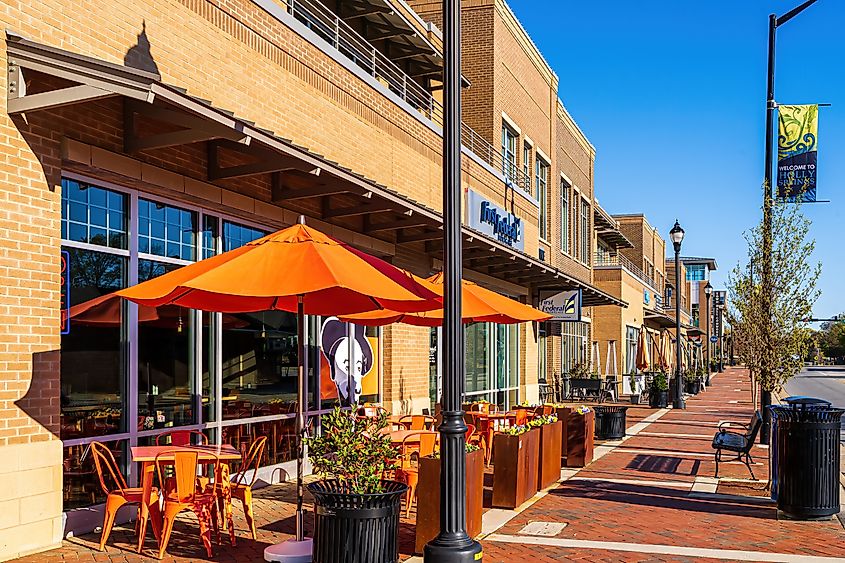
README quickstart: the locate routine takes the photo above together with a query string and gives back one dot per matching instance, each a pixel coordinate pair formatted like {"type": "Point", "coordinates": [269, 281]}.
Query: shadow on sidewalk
{"type": "Point", "coordinates": [661, 464]}
{"type": "Point", "coordinates": [660, 497]}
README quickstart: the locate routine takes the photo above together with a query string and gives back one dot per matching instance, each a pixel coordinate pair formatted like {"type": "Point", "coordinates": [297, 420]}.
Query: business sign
{"type": "Point", "coordinates": [798, 129]}
{"type": "Point", "coordinates": [719, 297]}
{"type": "Point", "coordinates": [64, 293]}
{"type": "Point", "coordinates": [714, 339]}
{"type": "Point", "coordinates": [494, 221]}
{"type": "Point", "coordinates": [563, 305]}
{"type": "Point", "coordinates": [646, 297]}
{"type": "Point", "coordinates": [336, 381]}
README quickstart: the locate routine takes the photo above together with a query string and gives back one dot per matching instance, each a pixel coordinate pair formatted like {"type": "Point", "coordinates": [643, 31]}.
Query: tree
{"type": "Point", "coordinates": [831, 337]}
{"type": "Point", "coordinates": [768, 316]}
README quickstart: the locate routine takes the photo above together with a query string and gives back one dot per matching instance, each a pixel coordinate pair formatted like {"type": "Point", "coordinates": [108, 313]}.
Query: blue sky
{"type": "Point", "coordinates": [672, 95]}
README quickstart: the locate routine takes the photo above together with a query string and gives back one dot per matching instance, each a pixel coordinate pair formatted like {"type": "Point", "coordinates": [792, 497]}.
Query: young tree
{"type": "Point", "coordinates": [768, 315]}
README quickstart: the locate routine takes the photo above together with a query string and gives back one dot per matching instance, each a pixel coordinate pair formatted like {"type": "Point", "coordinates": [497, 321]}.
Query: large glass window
{"type": "Point", "coordinates": [585, 231]}
{"type": "Point", "coordinates": [93, 215]}
{"type": "Point", "coordinates": [542, 185]}
{"type": "Point", "coordinates": [696, 272]}
{"type": "Point", "coordinates": [632, 335]}
{"type": "Point", "coordinates": [477, 357]}
{"type": "Point", "coordinates": [164, 230]}
{"type": "Point", "coordinates": [509, 140]}
{"type": "Point", "coordinates": [574, 345]}
{"type": "Point", "coordinates": [564, 216]}
{"type": "Point", "coordinates": [526, 159]}
{"type": "Point", "coordinates": [166, 391]}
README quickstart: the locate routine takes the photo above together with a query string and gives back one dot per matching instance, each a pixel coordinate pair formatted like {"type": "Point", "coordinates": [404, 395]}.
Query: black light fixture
{"type": "Point", "coordinates": [708, 291]}
{"type": "Point", "coordinates": [677, 236]}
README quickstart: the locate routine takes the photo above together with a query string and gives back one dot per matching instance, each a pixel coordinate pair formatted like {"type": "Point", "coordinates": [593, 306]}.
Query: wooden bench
{"type": "Point", "coordinates": [737, 443]}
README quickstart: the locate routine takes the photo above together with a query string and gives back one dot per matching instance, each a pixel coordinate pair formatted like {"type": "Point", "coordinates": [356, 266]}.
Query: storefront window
{"type": "Point", "coordinates": [574, 343]}
{"type": "Point", "coordinates": [93, 363]}
{"type": "Point", "coordinates": [477, 360]}
{"type": "Point", "coordinates": [632, 336]}
{"type": "Point", "coordinates": [93, 215]}
{"type": "Point", "coordinates": [165, 359]}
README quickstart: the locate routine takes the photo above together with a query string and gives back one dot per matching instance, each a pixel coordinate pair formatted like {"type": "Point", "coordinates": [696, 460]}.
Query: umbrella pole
{"type": "Point", "coordinates": [300, 416]}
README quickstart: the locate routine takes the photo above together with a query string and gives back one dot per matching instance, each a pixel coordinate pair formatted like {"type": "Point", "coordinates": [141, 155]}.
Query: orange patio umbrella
{"type": "Point", "coordinates": [297, 269]}
{"type": "Point", "coordinates": [477, 303]}
{"type": "Point", "coordinates": [643, 361]}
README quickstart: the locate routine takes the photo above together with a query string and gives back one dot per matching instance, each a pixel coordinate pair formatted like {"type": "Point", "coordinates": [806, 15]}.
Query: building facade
{"type": "Point", "coordinates": [145, 135]}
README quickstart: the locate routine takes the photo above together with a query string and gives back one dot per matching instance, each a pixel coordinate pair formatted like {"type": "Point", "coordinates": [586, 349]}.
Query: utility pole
{"type": "Point", "coordinates": [771, 106]}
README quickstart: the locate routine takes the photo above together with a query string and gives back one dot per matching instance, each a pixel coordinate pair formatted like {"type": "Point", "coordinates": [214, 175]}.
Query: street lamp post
{"type": "Point", "coordinates": [452, 544]}
{"type": "Point", "coordinates": [771, 106]}
{"type": "Point", "coordinates": [677, 236]}
{"type": "Point", "coordinates": [708, 290]}
{"type": "Point", "coordinates": [721, 339]}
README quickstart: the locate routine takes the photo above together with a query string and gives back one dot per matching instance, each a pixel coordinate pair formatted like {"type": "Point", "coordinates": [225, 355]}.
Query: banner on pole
{"type": "Point", "coordinates": [798, 128]}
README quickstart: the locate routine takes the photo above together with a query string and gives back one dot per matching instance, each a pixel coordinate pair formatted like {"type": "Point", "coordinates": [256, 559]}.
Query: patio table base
{"type": "Point", "coordinates": [291, 551]}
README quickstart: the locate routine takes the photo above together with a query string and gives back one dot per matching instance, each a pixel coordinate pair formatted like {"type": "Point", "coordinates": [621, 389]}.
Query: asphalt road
{"type": "Point", "coordinates": [824, 382]}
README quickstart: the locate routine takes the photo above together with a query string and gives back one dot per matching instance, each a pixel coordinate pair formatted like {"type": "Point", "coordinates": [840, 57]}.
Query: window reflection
{"type": "Point", "coordinates": [92, 359]}
{"type": "Point", "coordinates": [80, 483]}
{"type": "Point", "coordinates": [259, 365]}
{"type": "Point", "coordinates": [165, 359]}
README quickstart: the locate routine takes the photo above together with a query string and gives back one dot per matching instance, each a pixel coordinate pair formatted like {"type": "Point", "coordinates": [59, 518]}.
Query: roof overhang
{"type": "Point", "coordinates": [296, 174]}
{"type": "Point", "coordinates": [658, 319]}
{"type": "Point", "coordinates": [709, 262]}
{"type": "Point", "coordinates": [607, 228]}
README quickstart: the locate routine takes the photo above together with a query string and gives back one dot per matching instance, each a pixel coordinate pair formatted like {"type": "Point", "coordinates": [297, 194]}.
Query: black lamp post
{"type": "Point", "coordinates": [452, 544]}
{"type": "Point", "coordinates": [708, 290]}
{"type": "Point", "coordinates": [677, 236]}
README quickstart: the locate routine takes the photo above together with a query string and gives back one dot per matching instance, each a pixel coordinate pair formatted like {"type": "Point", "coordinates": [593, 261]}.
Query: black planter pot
{"type": "Point", "coordinates": [635, 399]}
{"type": "Point", "coordinates": [658, 399]}
{"type": "Point", "coordinates": [353, 528]}
{"type": "Point", "coordinates": [693, 387]}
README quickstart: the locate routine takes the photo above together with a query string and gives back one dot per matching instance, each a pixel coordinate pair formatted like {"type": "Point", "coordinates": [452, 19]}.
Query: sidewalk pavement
{"type": "Point", "coordinates": [653, 498]}
{"type": "Point", "coordinates": [650, 497]}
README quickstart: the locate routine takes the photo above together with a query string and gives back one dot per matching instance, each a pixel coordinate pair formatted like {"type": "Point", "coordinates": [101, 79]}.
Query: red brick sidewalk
{"type": "Point", "coordinates": [639, 496]}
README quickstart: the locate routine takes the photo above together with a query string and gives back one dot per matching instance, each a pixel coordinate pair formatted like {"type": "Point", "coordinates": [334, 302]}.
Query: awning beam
{"type": "Point", "coordinates": [54, 98]}
{"type": "Point", "coordinates": [195, 129]}
{"type": "Point", "coordinates": [281, 189]}
{"type": "Point", "coordinates": [362, 209]}
{"type": "Point", "coordinates": [267, 161]}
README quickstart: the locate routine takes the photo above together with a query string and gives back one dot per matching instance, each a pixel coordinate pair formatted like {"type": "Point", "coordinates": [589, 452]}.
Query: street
{"type": "Point", "coordinates": [824, 382]}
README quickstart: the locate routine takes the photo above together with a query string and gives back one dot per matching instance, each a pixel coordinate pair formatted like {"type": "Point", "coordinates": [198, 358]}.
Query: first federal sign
{"type": "Point", "coordinates": [561, 305]}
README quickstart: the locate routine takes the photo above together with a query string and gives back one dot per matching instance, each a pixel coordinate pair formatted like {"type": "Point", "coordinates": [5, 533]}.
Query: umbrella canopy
{"type": "Point", "coordinates": [477, 303]}
{"type": "Point", "coordinates": [643, 361]}
{"type": "Point", "coordinates": [274, 271]}
{"type": "Point", "coordinates": [298, 269]}
{"type": "Point", "coordinates": [665, 358]}
{"type": "Point", "coordinates": [105, 311]}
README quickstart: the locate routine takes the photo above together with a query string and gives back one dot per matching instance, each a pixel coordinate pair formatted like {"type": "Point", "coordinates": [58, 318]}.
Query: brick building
{"type": "Point", "coordinates": [140, 136]}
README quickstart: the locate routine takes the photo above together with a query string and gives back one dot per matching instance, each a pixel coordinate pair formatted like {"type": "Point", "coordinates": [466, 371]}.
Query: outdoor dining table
{"type": "Point", "coordinates": [146, 456]}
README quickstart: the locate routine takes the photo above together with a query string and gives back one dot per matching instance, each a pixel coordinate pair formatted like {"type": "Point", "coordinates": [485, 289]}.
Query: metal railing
{"type": "Point", "coordinates": [603, 259]}
{"type": "Point", "coordinates": [328, 26]}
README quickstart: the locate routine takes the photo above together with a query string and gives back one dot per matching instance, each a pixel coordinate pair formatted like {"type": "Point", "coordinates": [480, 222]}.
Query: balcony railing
{"type": "Point", "coordinates": [337, 33]}
{"type": "Point", "coordinates": [604, 259]}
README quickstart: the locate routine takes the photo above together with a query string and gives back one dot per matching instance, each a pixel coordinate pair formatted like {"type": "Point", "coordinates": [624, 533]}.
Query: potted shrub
{"type": "Point", "coordinates": [635, 389]}
{"type": "Point", "coordinates": [692, 381]}
{"type": "Point", "coordinates": [428, 496]}
{"type": "Point", "coordinates": [351, 456]}
{"type": "Point", "coordinates": [551, 443]}
{"type": "Point", "coordinates": [658, 392]}
{"type": "Point", "coordinates": [516, 453]}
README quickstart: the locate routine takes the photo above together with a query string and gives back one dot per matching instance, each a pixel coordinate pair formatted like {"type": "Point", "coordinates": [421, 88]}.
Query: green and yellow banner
{"type": "Point", "coordinates": [798, 131]}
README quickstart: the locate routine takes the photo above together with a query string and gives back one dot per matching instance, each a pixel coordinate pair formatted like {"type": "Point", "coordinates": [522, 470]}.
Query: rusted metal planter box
{"type": "Point", "coordinates": [578, 430]}
{"type": "Point", "coordinates": [515, 461]}
{"type": "Point", "coordinates": [428, 498]}
{"type": "Point", "coordinates": [551, 443]}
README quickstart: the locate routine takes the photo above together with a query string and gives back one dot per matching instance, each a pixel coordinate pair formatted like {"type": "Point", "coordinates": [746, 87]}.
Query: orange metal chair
{"type": "Point", "coordinates": [240, 487]}
{"type": "Point", "coordinates": [115, 498]}
{"type": "Point", "coordinates": [417, 422]}
{"type": "Point", "coordinates": [522, 417]}
{"type": "Point", "coordinates": [181, 438]}
{"type": "Point", "coordinates": [414, 446]}
{"type": "Point", "coordinates": [186, 496]}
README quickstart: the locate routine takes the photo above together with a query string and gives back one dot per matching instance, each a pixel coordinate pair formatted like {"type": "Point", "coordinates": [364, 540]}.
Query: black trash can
{"type": "Point", "coordinates": [795, 401]}
{"type": "Point", "coordinates": [610, 422]}
{"type": "Point", "coordinates": [353, 528]}
{"type": "Point", "coordinates": [807, 459]}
